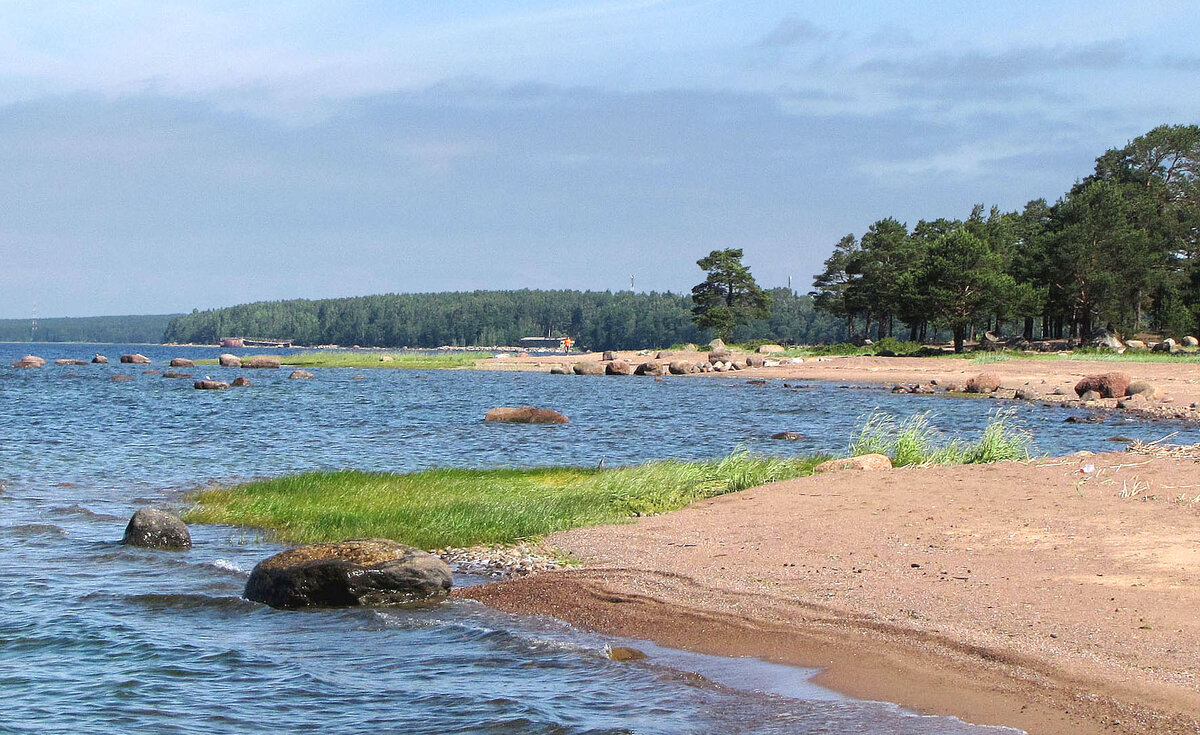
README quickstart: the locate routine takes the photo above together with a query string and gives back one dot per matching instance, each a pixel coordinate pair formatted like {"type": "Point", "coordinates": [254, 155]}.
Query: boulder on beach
{"type": "Point", "coordinates": [720, 355]}
{"type": "Point", "coordinates": [228, 360]}
{"type": "Point", "coordinates": [560, 370]}
{"type": "Point", "coordinates": [608, 355]}
{"type": "Point", "coordinates": [182, 362]}
{"type": "Point", "coordinates": [618, 367]}
{"type": "Point", "coordinates": [1146, 390]}
{"type": "Point", "coordinates": [151, 528]}
{"type": "Point", "coordinates": [525, 415]}
{"type": "Point", "coordinates": [100, 359]}
{"type": "Point", "coordinates": [348, 574]}
{"type": "Point", "coordinates": [210, 385]}
{"type": "Point", "coordinates": [983, 383]}
{"type": "Point", "coordinates": [136, 358]}
{"type": "Point", "coordinates": [30, 361]}
{"type": "Point", "coordinates": [1167, 345]}
{"type": "Point", "coordinates": [1106, 340]}
{"type": "Point", "coordinates": [771, 349]}
{"type": "Point", "coordinates": [262, 362]}
{"type": "Point", "coordinates": [1026, 394]}
{"type": "Point", "coordinates": [682, 367]}
{"type": "Point", "coordinates": [1189, 342]}
{"type": "Point", "coordinates": [300, 375]}
{"type": "Point", "coordinates": [717, 344]}
{"type": "Point", "coordinates": [240, 382]}
{"type": "Point", "coordinates": [861, 462]}
{"type": "Point", "coordinates": [1108, 385]}
{"type": "Point", "coordinates": [1135, 345]}
{"type": "Point", "coordinates": [589, 368]}
{"type": "Point", "coordinates": [755, 361]}
{"type": "Point", "coordinates": [650, 367]}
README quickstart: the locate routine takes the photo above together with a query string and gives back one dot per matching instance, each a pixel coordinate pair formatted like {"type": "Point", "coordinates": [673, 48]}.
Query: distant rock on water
{"type": "Point", "coordinates": [157, 529]}
{"type": "Point", "coordinates": [525, 415]}
{"type": "Point", "coordinates": [348, 574]}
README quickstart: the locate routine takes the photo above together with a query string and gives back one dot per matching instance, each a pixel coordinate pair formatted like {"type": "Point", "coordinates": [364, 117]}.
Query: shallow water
{"type": "Point", "coordinates": [96, 637]}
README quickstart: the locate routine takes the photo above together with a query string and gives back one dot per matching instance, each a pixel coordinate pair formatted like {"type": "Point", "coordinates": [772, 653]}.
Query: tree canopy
{"type": "Point", "coordinates": [729, 297]}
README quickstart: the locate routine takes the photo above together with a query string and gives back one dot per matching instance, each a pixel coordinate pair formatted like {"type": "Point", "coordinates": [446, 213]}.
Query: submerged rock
{"type": "Point", "coordinates": [623, 653]}
{"type": "Point", "coordinates": [861, 462]}
{"type": "Point", "coordinates": [347, 574]}
{"type": "Point", "coordinates": [240, 382]}
{"type": "Point", "coordinates": [300, 375]}
{"type": "Point", "coordinates": [151, 528]}
{"type": "Point", "coordinates": [525, 415]}
{"type": "Point", "coordinates": [790, 436]}
{"type": "Point", "coordinates": [136, 358]}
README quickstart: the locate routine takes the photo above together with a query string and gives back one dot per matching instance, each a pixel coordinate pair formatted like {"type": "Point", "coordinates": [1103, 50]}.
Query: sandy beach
{"type": "Point", "coordinates": [1055, 595]}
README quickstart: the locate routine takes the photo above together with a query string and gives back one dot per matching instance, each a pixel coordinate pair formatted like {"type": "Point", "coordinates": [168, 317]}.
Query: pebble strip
{"type": "Point", "coordinates": [499, 562]}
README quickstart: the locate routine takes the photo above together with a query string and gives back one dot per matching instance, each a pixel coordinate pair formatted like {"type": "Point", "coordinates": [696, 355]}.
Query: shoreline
{"type": "Point", "coordinates": [1041, 596]}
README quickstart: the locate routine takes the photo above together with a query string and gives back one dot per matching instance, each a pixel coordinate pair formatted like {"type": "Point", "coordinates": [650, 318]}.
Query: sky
{"type": "Point", "coordinates": [159, 157]}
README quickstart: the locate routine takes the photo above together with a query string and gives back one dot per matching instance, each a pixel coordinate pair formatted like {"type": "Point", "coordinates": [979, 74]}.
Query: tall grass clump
{"type": "Point", "coordinates": [915, 441]}
{"type": "Point", "coordinates": [986, 358]}
{"type": "Point", "coordinates": [454, 507]}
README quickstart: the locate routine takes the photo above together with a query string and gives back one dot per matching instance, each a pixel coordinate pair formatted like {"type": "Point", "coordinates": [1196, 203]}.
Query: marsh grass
{"type": "Point", "coordinates": [915, 441]}
{"type": "Point", "coordinates": [366, 360]}
{"type": "Point", "coordinates": [455, 507]}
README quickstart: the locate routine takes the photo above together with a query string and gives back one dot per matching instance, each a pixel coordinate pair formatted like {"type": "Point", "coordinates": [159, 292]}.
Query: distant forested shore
{"type": "Point", "coordinates": [594, 319]}
{"type": "Point", "coordinates": [129, 329]}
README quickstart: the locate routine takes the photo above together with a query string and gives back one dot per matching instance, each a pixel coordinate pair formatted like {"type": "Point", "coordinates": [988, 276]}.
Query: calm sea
{"type": "Point", "coordinates": [96, 637]}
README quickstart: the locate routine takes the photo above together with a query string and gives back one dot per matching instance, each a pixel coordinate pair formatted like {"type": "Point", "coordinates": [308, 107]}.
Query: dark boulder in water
{"type": "Point", "coordinates": [157, 529]}
{"type": "Point", "coordinates": [300, 375]}
{"type": "Point", "coordinates": [210, 385]}
{"type": "Point", "coordinates": [135, 359]}
{"type": "Point", "coordinates": [348, 574]}
{"type": "Point", "coordinates": [182, 362]}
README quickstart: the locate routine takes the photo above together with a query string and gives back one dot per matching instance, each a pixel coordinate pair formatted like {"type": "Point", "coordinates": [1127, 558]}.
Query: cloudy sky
{"type": "Point", "coordinates": [162, 156]}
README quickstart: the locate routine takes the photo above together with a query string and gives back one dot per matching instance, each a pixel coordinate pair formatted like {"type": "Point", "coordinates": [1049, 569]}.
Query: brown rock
{"type": "Point", "coordinates": [560, 370]}
{"type": "Point", "coordinates": [650, 367]}
{"type": "Point", "coordinates": [262, 362]}
{"type": "Point", "coordinates": [608, 355]}
{"type": "Point", "coordinates": [228, 360]}
{"type": "Point", "coordinates": [682, 367]}
{"type": "Point", "coordinates": [771, 349]}
{"type": "Point", "coordinates": [100, 359]}
{"type": "Point", "coordinates": [589, 368]}
{"type": "Point", "coordinates": [618, 367]}
{"type": "Point", "coordinates": [525, 415]}
{"type": "Point", "coordinates": [1146, 390]}
{"type": "Point", "coordinates": [790, 436]}
{"type": "Point", "coordinates": [68, 361]}
{"type": "Point", "coordinates": [240, 382]}
{"type": "Point", "coordinates": [136, 358]}
{"type": "Point", "coordinates": [1108, 385]}
{"type": "Point", "coordinates": [300, 375]}
{"type": "Point", "coordinates": [983, 383]}
{"type": "Point", "coordinates": [175, 374]}
{"type": "Point", "coordinates": [182, 362]}
{"type": "Point", "coordinates": [861, 462]}
{"type": "Point", "coordinates": [623, 653]}
{"type": "Point", "coordinates": [121, 378]}
{"type": "Point", "coordinates": [30, 361]}
{"type": "Point", "coordinates": [720, 355]}
{"type": "Point", "coordinates": [210, 385]}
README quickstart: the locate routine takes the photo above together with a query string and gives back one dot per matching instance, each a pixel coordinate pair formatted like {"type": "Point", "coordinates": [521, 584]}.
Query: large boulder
{"type": "Point", "coordinates": [861, 462]}
{"type": "Point", "coordinates": [182, 362]}
{"type": "Point", "coordinates": [650, 367]}
{"type": "Point", "coordinates": [210, 385]}
{"type": "Point", "coordinates": [608, 355]}
{"type": "Point", "coordinates": [721, 355]}
{"type": "Point", "coordinates": [716, 344]}
{"type": "Point", "coordinates": [347, 574]}
{"type": "Point", "coordinates": [1135, 345]}
{"type": "Point", "coordinates": [300, 375]}
{"type": "Point", "coordinates": [560, 370]}
{"type": "Point", "coordinates": [1189, 342]}
{"type": "Point", "coordinates": [618, 367]}
{"type": "Point", "coordinates": [157, 529]}
{"type": "Point", "coordinates": [983, 383]}
{"type": "Point", "coordinates": [1146, 390]}
{"type": "Point", "coordinates": [240, 382]}
{"type": "Point", "coordinates": [525, 415]}
{"type": "Point", "coordinates": [1106, 340]}
{"type": "Point", "coordinates": [756, 361]}
{"type": "Point", "coordinates": [228, 360]}
{"type": "Point", "coordinates": [136, 358]}
{"type": "Point", "coordinates": [1108, 385]}
{"type": "Point", "coordinates": [589, 368]}
{"type": "Point", "coordinates": [260, 362]}
{"type": "Point", "coordinates": [682, 367]}
{"type": "Point", "coordinates": [771, 349]}
{"type": "Point", "coordinates": [30, 361]}
{"type": "Point", "coordinates": [1167, 345]}
{"type": "Point", "coordinates": [100, 359]}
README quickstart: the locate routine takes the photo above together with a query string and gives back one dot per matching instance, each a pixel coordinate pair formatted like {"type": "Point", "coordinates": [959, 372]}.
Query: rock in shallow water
{"type": "Point", "coordinates": [525, 415]}
{"type": "Point", "coordinates": [157, 529]}
{"type": "Point", "coordinates": [347, 574]}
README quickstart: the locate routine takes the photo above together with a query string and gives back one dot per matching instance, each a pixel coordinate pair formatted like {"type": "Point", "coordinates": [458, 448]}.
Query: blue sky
{"type": "Point", "coordinates": [163, 156]}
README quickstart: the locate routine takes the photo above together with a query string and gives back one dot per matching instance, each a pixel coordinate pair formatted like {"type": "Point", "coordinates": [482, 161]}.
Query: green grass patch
{"type": "Point", "coordinates": [455, 507]}
{"type": "Point", "coordinates": [915, 441]}
{"type": "Point", "coordinates": [367, 360]}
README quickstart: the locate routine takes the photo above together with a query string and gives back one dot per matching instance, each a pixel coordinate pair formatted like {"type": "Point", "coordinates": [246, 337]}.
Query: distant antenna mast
{"type": "Point", "coordinates": [33, 327]}
{"type": "Point", "coordinates": [789, 283]}
{"type": "Point", "coordinates": [630, 283]}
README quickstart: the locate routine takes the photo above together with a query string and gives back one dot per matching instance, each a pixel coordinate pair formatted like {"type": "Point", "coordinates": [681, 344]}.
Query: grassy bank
{"type": "Point", "coordinates": [914, 441]}
{"type": "Point", "coordinates": [367, 360]}
{"type": "Point", "coordinates": [451, 507]}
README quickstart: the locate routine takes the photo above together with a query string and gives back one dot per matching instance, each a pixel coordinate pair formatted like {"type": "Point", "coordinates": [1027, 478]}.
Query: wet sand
{"type": "Point", "coordinates": [1057, 595]}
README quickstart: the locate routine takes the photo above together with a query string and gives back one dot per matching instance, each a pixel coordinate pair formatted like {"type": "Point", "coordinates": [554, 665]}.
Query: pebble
{"type": "Point", "coordinates": [499, 562]}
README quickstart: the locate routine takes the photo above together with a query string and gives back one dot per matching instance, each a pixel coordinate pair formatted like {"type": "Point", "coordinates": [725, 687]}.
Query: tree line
{"type": "Point", "coordinates": [1119, 251]}
{"type": "Point", "coordinates": [595, 319]}
{"type": "Point", "coordinates": [140, 329]}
